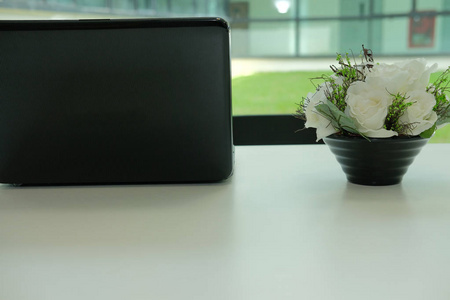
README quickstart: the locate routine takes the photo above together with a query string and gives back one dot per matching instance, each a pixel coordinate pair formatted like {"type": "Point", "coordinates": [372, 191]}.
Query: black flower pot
{"type": "Point", "coordinates": [380, 161]}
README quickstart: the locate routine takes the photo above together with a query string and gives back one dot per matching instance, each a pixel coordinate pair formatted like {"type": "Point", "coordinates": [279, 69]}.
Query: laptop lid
{"type": "Point", "coordinates": [115, 101]}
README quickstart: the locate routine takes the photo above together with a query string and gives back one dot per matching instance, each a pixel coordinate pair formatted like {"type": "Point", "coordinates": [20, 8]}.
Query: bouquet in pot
{"type": "Point", "coordinates": [374, 100]}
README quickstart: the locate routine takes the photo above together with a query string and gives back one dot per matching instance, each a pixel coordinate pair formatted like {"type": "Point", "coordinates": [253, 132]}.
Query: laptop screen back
{"type": "Point", "coordinates": [123, 101]}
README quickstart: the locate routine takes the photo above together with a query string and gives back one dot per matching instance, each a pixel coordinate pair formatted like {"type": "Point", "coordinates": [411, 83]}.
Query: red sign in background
{"type": "Point", "coordinates": [421, 31]}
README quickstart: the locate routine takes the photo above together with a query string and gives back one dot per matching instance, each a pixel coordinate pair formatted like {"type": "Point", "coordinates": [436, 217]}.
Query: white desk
{"type": "Point", "coordinates": [286, 226]}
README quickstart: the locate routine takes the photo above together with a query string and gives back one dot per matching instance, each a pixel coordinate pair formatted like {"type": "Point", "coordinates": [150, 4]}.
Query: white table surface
{"type": "Point", "coordinates": [287, 225]}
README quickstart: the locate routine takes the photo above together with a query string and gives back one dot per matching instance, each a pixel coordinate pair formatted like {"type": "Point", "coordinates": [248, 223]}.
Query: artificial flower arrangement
{"type": "Point", "coordinates": [374, 100]}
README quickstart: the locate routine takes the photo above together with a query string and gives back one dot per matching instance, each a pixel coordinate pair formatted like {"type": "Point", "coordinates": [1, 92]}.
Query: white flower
{"type": "Point", "coordinates": [367, 105]}
{"type": "Point", "coordinates": [403, 77]}
{"type": "Point", "coordinates": [370, 96]}
{"type": "Point", "coordinates": [313, 118]}
{"type": "Point", "coordinates": [420, 114]}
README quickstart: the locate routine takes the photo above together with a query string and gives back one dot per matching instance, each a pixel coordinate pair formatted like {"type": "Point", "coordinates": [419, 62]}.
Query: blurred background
{"type": "Point", "coordinates": [278, 45]}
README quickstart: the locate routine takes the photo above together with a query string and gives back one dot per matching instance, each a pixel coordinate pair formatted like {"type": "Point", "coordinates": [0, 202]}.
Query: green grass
{"type": "Point", "coordinates": [280, 92]}
{"type": "Point", "coordinates": [271, 93]}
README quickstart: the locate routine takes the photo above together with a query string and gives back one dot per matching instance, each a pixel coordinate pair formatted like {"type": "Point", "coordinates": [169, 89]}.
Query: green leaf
{"type": "Point", "coordinates": [443, 120]}
{"type": "Point", "coordinates": [429, 132]}
{"type": "Point", "coordinates": [338, 119]}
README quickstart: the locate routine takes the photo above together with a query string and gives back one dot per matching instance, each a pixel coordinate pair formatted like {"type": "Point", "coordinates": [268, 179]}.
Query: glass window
{"type": "Point", "coordinates": [396, 7]}
{"type": "Point", "coordinates": [114, 4]}
{"type": "Point", "coordinates": [280, 35]}
{"type": "Point", "coordinates": [161, 6]}
{"type": "Point", "coordinates": [180, 6]}
{"type": "Point", "coordinates": [268, 9]}
{"type": "Point", "coordinates": [318, 38]}
{"type": "Point", "coordinates": [93, 3]}
{"type": "Point", "coordinates": [319, 8]}
{"type": "Point", "coordinates": [394, 33]}
{"type": "Point", "coordinates": [430, 5]}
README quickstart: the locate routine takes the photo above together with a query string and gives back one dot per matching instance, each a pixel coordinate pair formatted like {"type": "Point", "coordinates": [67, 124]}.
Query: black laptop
{"type": "Point", "coordinates": [115, 101]}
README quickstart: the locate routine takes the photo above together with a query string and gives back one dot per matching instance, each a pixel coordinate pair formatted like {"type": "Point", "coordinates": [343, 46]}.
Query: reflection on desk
{"type": "Point", "coordinates": [287, 225]}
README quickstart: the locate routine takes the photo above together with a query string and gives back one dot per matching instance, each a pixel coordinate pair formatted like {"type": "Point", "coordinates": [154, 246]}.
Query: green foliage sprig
{"type": "Point", "coordinates": [395, 111]}
{"type": "Point", "coordinates": [439, 88]}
